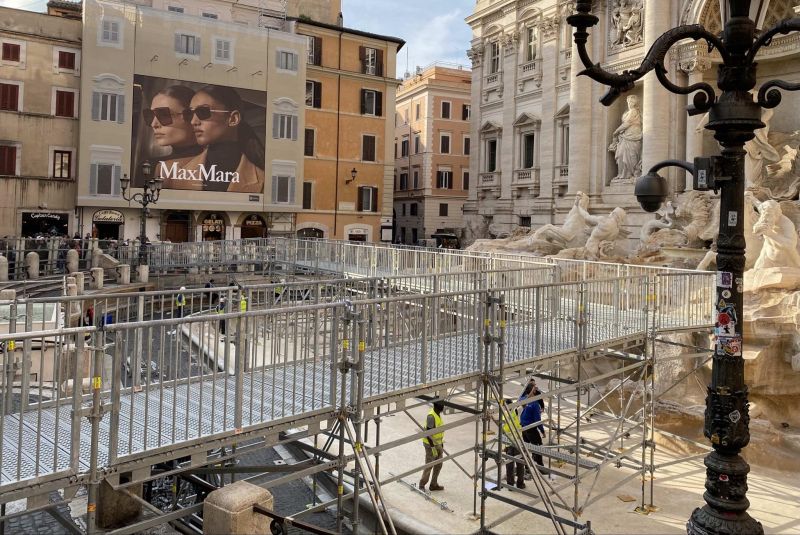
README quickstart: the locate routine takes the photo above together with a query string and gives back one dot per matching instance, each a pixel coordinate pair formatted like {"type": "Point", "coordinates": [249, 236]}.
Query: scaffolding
{"type": "Point", "coordinates": [328, 358]}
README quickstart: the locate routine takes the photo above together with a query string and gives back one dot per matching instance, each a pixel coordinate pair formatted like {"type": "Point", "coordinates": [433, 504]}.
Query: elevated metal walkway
{"type": "Point", "coordinates": [414, 335]}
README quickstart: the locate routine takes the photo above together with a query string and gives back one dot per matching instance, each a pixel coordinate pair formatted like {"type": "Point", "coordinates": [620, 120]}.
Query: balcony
{"type": "Point", "coordinates": [561, 175]}
{"type": "Point", "coordinates": [529, 70]}
{"type": "Point", "coordinates": [526, 176]}
{"type": "Point", "coordinates": [490, 81]}
{"type": "Point", "coordinates": [489, 179]}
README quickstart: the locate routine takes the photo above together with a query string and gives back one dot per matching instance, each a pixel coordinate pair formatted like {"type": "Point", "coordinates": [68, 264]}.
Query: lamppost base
{"type": "Point", "coordinates": [707, 521]}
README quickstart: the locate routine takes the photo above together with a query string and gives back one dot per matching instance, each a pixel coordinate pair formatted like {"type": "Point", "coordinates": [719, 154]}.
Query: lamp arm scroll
{"type": "Point", "coordinates": [765, 39]}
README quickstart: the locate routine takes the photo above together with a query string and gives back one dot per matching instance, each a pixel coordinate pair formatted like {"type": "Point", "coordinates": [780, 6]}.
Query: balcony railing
{"type": "Point", "coordinates": [490, 179]}
{"type": "Point", "coordinates": [527, 70]}
{"type": "Point", "coordinates": [493, 80]}
{"type": "Point", "coordinates": [526, 176]}
{"type": "Point", "coordinates": [562, 174]}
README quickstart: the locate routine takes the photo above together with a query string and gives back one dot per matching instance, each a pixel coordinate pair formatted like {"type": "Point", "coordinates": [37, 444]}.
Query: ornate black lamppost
{"type": "Point", "coordinates": [149, 195]}
{"type": "Point", "coordinates": [733, 117]}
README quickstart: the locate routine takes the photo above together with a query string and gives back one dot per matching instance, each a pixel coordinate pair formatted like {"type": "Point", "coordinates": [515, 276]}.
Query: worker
{"type": "Point", "coordinates": [180, 304]}
{"type": "Point", "coordinates": [434, 447]}
{"type": "Point", "coordinates": [243, 303]}
{"type": "Point", "coordinates": [221, 310]}
{"type": "Point", "coordinates": [512, 450]}
{"type": "Point", "coordinates": [531, 414]}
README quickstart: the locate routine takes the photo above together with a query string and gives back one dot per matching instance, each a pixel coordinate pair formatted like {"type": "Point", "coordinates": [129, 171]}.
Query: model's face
{"type": "Point", "coordinates": [178, 132]}
{"type": "Point", "coordinates": [211, 121]}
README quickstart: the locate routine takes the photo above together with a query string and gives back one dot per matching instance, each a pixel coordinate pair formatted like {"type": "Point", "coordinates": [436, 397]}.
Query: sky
{"type": "Point", "coordinates": [434, 30]}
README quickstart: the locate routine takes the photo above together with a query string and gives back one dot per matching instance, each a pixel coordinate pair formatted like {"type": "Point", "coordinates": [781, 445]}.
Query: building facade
{"type": "Point", "coordinates": [432, 151]}
{"type": "Point", "coordinates": [541, 134]}
{"type": "Point", "coordinates": [350, 92]}
{"type": "Point", "coordinates": [208, 99]}
{"type": "Point", "coordinates": [40, 78]}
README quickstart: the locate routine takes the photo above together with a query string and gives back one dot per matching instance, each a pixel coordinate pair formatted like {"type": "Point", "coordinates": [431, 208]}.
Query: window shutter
{"type": "Point", "coordinates": [379, 63]}
{"type": "Point", "coordinates": [294, 127]}
{"type": "Point", "coordinates": [120, 109]}
{"type": "Point", "coordinates": [93, 179]}
{"type": "Point", "coordinates": [95, 106]}
{"type": "Point", "coordinates": [317, 51]}
{"type": "Point", "coordinates": [309, 143]}
{"type": "Point", "coordinates": [274, 189]}
{"type": "Point", "coordinates": [292, 181]}
{"type": "Point", "coordinates": [178, 43]}
{"type": "Point", "coordinates": [317, 95]}
{"type": "Point", "coordinates": [276, 125]}
{"type": "Point", "coordinates": [196, 51]}
{"type": "Point", "coordinates": [115, 185]}
{"type": "Point", "coordinates": [362, 57]}
{"type": "Point", "coordinates": [363, 101]}
{"type": "Point", "coordinates": [450, 182]}
{"type": "Point", "coordinates": [378, 103]}
{"type": "Point", "coordinates": [278, 59]}
{"type": "Point", "coordinates": [374, 199]}
{"type": "Point", "coordinates": [360, 202]}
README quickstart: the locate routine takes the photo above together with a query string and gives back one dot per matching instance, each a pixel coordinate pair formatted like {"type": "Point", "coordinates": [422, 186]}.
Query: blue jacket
{"type": "Point", "coordinates": [531, 413]}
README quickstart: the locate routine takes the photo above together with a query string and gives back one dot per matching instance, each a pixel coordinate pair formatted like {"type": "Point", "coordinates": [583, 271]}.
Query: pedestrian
{"type": "Point", "coordinates": [212, 296]}
{"type": "Point", "coordinates": [180, 305]}
{"type": "Point", "coordinates": [531, 414]}
{"type": "Point", "coordinates": [434, 447]}
{"type": "Point", "coordinates": [222, 323]}
{"type": "Point", "coordinates": [513, 468]}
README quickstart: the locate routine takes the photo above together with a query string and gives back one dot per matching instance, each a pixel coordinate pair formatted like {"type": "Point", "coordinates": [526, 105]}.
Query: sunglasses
{"type": "Point", "coordinates": [202, 112]}
{"type": "Point", "coordinates": [165, 115]}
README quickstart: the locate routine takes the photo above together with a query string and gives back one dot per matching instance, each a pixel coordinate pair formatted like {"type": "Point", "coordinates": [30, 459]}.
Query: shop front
{"type": "Point", "coordinates": [45, 224]}
{"type": "Point", "coordinates": [253, 226]}
{"type": "Point", "coordinates": [212, 226]}
{"type": "Point", "coordinates": [107, 224]}
{"type": "Point", "coordinates": [176, 227]}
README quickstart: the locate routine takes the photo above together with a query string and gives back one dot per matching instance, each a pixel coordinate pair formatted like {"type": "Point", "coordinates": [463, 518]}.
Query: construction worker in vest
{"type": "Point", "coordinates": [243, 303]}
{"type": "Point", "coordinates": [511, 449]}
{"type": "Point", "coordinates": [221, 310]}
{"type": "Point", "coordinates": [434, 447]}
{"type": "Point", "coordinates": [180, 304]}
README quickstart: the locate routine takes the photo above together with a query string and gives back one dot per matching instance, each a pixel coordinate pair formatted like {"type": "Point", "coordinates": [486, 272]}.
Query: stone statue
{"type": "Point", "coordinates": [753, 244]}
{"type": "Point", "coordinates": [627, 144]}
{"type": "Point", "coordinates": [578, 219]}
{"type": "Point", "coordinates": [692, 215]}
{"type": "Point", "coordinates": [626, 19]}
{"type": "Point", "coordinates": [780, 238]}
{"type": "Point", "coordinates": [781, 181]}
{"type": "Point", "coordinates": [602, 241]}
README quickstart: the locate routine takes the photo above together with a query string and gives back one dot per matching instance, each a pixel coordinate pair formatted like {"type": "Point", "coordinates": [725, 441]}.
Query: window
{"type": "Point", "coordinates": [466, 112]}
{"type": "Point", "coordinates": [466, 146]}
{"type": "Point", "coordinates": [222, 50]}
{"type": "Point", "coordinates": [210, 15]}
{"type": "Point", "coordinates": [108, 107]}
{"type": "Point", "coordinates": [62, 164]}
{"type": "Point", "coordinates": [444, 145]}
{"type": "Point", "coordinates": [525, 221]}
{"type": "Point", "coordinates": [9, 97]}
{"type": "Point", "coordinates": [367, 199]}
{"type": "Point", "coordinates": [8, 159]}
{"type": "Point", "coordinates": [466, 180]}
{"type": "Point", "coordinates": [368, 148]}
{"type": "Point", "coordinates": [11, 52]}
{"type": "Point", "coordinates": [402, 234]}
{"type": "Point", "coordinates": [530, 44]}
{"type": "Point", "coordinates": [403, 181]}
{"type": "Point", "coordinates": [314, 50]}
{"type": "Point", "coordinates": [443, 210]}
{"type": "Point", "coordinates": [416, 179]}
{"type": "Point", "coordinates": [444, 179]}
{"type": "Point", "coordinates": [416, 144]}
{"type": "Point", "coordinates": [404, 147]}
{"type": "Point", "coordinates": [64, 103]}
{"type": "Point", "coordinates": [104, 179]}
{"type": "Point", "coordinates": [109, 31]}
{"type": "Point", "coordinates": [371, 60]}
{"type": "Point", "coordinates": [413, 236]}
{"type": "Point", "coordinates": [565, 143]}
{"type": "Point", "coordinates": [308, 149]}
{"type": "Point", "coordinates": [284, 126]}
{"type": "Point", "coordinates": [403, 209]}
{"type": "Point", "coordinates": [528, 154]}
{"type": "Point", "coordinates": [416, 112]}
{"type": "Point", "coordinates": [494, 57]}
{"type": "Point", "coordinates": [445, 110]}
{"type": "Point", "coordinates": [307, 195]}
{"type": "Point", "coordinates": [313, 94]}
{"type": "Point", "coordinates": [66, 60]}
{"type": "Point", "coordinates": [175, 9]}
{"type": "Point", "coordinates": [187, 44]}
{"type": "Point", "coordinates": [491, 156]}
{"type": "Point", "coordinates": [371, 102]}
{"type": "Point", "coordinates": [287, 60]}
{"type": "Point", "coordinates": [413, 209]}
{"type": "Point", "coordinates": [282, 189]}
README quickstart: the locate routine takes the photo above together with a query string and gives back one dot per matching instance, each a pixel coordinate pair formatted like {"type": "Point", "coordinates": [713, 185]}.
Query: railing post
{"type": "Point", "coordinates": [116, 385]}
{"type": "Point", "coordinates": [95, 416]}
{"type": "Point", "coordinates": [77, 398]}
{"type": "Point", "coordinates": [423, 372]}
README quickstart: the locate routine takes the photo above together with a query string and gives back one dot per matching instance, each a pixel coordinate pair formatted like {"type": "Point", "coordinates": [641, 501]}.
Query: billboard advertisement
{"type": "Point", "coordinates": [198, 137]}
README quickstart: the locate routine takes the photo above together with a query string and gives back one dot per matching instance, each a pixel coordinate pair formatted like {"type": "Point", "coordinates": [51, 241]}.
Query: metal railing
{"type": "Point", "coordinates": [166, 380]}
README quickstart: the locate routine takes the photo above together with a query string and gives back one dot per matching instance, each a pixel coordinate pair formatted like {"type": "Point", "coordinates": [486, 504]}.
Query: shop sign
{"type": "Point", "coordinates": [46, 216]}
{"type": "Point", "coordinates": [213, 224]}
{"type": "Point", "coordinates": [254, 221]}
{"type": "Point", "coordinates": [108, 216]}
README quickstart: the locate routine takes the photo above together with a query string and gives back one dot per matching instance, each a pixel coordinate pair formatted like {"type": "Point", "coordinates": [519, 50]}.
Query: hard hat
{"type": "Point", "coordinates": [183, 287]}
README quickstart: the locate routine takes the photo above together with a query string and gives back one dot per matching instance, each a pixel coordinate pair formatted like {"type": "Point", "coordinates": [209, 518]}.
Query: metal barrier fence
{"type": "Point", "coordinates": [163, 381]}
{"type": "Point", "coordinates": [52, 254]}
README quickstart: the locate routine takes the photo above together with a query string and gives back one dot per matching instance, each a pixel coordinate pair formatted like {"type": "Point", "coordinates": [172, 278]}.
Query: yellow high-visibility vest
{"type": "Point", "coordinates": [514, 420]}
{"type": "Point", "coordinates": [243, 304]}
{"type": "Point", "coordinates": [180, 300]}
{"type": "Point", "coordinates": [437, 438]}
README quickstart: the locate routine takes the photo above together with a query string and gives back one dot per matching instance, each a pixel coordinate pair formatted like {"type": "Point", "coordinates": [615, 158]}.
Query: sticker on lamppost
{"type": "Point", "coordinates": [735, 416]}
{"type": "Point", "coordinates": [729, 346]}
{"type": "Point", "coordinates": [725, 279]}
{"type": "Point", "coordinates": [733, 218]}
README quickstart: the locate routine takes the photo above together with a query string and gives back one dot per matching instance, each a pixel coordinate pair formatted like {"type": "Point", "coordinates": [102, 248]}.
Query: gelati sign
{"type": "Point", "coordinates": [108, 216]}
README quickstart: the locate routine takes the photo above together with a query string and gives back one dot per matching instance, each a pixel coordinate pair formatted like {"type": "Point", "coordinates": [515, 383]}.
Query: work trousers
{"type": "Point", "coordinates": [510, 467]}
{"type": "Point", "coordinates": [532, 436]}
{"type": "Point", "coordinates": [429, 458]}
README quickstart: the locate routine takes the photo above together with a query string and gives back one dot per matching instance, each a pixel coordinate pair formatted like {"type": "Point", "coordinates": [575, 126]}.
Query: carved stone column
{"type": "Point", "coordinates": [580, 137]}
{"type": "Point", "coordinates": [695, 70]}
{"type": "Point", "coordinates": [655, 112]}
